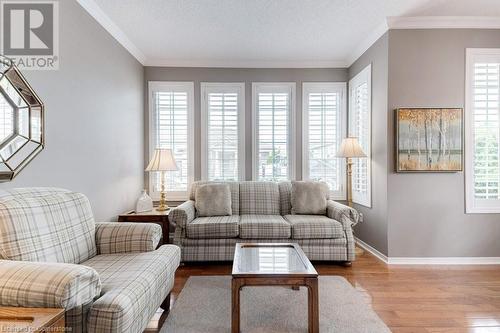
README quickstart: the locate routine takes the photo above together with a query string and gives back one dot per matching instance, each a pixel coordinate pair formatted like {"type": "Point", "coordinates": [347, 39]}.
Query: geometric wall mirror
{"type": "Point", "coordinates": [21, 121]}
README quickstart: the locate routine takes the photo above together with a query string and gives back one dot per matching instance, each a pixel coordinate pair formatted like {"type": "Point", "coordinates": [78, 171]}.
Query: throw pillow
{"type": "Point", "coordinates": [309, 198]}
{"type": "Point", "coordinates": [213, 200]}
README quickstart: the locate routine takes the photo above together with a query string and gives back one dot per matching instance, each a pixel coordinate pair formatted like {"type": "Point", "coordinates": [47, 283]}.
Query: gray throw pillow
{"type": "Point", "coordinates": [213, 200]}
{"type": "Point", "coordinates": [309, 198]}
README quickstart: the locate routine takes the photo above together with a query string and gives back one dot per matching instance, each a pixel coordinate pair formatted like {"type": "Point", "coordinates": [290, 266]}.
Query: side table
{"type": "Point", "coordinates": [33, 320]}
{"type": "Point", "coordinates": [152, 216]}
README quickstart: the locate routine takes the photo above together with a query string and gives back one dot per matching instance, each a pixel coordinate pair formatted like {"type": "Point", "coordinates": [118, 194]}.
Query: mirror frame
{"type": "Point", "coordinates": [28, 140]}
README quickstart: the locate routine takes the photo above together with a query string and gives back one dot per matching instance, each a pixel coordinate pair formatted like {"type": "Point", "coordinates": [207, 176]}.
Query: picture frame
{"type": "Point", "coordinates": [429, 140]}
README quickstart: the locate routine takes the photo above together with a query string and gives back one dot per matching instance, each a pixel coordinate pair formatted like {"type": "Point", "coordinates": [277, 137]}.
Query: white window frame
{"type": "Point", "coordinates": [365, 76]}
{"type": "Point", "coordinates": [274, 87]}
{"type": "Point", "coordinates": [216, 87]}
{"type": "Point", "coordinates": [310, 87]}
{"type": "Point", "coordinates": [474, 206]}
{"type": "Point", "coordinates": [180, 86]}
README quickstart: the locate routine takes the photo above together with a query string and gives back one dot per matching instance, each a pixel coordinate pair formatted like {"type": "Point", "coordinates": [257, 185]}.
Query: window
{"type": "Point", "coordinates": [223, 137]}
{"type": "Point", "coordinates": [171, 126]}
{"type": "Point", "coordinates": [323, 127]}
{"type": "Point", "coordinates": [482, 137]}
{"type": "Point", "coordinates": [360, 127]}
{"type": "Point", "coordinates": [273, 112]}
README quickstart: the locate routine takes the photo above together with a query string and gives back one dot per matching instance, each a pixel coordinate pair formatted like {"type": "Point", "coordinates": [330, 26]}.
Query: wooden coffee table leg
{"type": "Point", "coordinates": [313, 305]}
{"type": "Point", "coordinates": [236, 285]}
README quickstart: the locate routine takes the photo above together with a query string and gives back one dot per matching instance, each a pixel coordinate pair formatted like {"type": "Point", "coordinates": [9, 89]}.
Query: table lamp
{"type": "Point", "coordinates": [349, 149]}
{"type": "Point", "coordinates": [163, 160]}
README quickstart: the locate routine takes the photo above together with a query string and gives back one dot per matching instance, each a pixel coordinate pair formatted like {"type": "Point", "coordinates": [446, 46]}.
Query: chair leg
{"type": "Point", "coordinates": [166, 303]}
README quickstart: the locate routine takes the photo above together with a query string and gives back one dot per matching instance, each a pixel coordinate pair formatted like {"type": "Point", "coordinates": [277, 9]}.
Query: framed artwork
{"type": "Point", "coordinates": [429, 140]}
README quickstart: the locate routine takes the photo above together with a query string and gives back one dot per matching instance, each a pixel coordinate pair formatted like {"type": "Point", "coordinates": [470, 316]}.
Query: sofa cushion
{"type": "Point", "coordinates": [264, 226]}
{"type": "Point", "coordinates": [259, 198]}
{"type": "Point", "coordinates": [49, 226]}
{"type": "Point", "coordinates": [213, 200]}
{"type": "Point", "coordinates": [213, 227]}
{"type": "Point", "coordinates": [133, 287]}
{"type": "Point", "coordinates": [314, 227]}
{"type": "Point", "coordinates": [285, 198]}
{"type": "Point", "coordinates": [234, 187]}
{"type": "Point", "coordinates": [309, 197]}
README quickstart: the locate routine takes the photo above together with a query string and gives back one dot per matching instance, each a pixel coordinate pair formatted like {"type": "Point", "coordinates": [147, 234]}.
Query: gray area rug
{"type": "Point", "coordinates": [204, 306]}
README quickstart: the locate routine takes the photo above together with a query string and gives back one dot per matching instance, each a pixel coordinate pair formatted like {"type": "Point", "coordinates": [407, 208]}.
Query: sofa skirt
{"type": "Point", "coordinates": [338, 249]}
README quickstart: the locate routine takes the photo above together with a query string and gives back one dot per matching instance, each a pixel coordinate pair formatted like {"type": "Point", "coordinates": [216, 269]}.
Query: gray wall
{"type": "Point", "coordinates": [373, 230]}
{"type": "Point", "coordinates": [247, 75]}
{"type": "Point", "coordinates": [94, 118]}
{"type": "Point", "coordinates": [427, 211]}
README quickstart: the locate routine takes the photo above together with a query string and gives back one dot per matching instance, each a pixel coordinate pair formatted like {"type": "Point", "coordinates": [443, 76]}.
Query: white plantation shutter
{"type": "Point", "coordinates": [323, 130]}
{"type": "Point", "coordinates": [360, 127]}
{"type": "Point", "coordinates": [223, 131]}
{"type": "Point", "coordinates": [273, 126]}
{"type": "Point", "coordinates": [171, 121]}
{"type": "Point", "coordinates": [483, 131]}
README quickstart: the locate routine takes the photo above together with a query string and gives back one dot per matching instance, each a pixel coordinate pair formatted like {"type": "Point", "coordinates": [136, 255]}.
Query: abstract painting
{"type": "Point", "coordinates": [429, 140]}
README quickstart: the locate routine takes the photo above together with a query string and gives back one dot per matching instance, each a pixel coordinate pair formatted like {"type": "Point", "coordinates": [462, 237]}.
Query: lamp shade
{"type": "Point", "coordinates": [163, 160]}
{"type": "Point", "coordinates": [350, 147]}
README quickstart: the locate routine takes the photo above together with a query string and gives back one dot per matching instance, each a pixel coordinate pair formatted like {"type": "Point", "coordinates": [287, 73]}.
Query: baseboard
{"type": "Point", "coordinates": [444, 261]}
{"type": "Point", "coordinates": [379, 255]}
{"type": "Point", "coordinates": [428, 260]}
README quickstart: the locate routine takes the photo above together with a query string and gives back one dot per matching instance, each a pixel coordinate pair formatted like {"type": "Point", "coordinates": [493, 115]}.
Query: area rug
{"type": "Point", "coordinates": [204, 306]}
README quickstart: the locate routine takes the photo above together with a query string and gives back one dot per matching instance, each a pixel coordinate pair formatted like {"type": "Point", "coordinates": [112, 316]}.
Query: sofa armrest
{"type": "Point", "coordinates": [51, 285]}
{"type": "Point", "coordinates": [120, 237]}
{"type": "Point", "coordinates": [183, 214]}
{"type": "Point", "coordinates": [348, 216]}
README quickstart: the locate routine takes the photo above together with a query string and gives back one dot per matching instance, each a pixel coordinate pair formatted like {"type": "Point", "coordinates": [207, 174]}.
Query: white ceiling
{"type": "Point", "coordinates": [262, 33]}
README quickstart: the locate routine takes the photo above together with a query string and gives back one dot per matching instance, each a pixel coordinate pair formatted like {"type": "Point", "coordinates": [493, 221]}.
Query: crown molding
{"type": "Point", "coordinates": [105, 21]}
{"type": "Point", "coordinates": [245, 63]}
{"type": "Point", "coordinates": [443, 22]}
{"type": "Point", "coordinates": [367, 43]}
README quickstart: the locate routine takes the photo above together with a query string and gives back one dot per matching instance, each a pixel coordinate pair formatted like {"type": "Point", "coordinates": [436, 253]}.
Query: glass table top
{"type": "Point", "coordinates": [269, 259]}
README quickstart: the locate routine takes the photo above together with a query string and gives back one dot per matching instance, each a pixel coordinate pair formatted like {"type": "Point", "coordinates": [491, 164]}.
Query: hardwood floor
{"type": "Point", "coordinates": [416, 299]}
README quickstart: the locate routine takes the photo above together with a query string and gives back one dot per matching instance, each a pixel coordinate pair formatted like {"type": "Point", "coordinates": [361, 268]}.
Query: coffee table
{"type": "Point", "coordinates": [273, 264]}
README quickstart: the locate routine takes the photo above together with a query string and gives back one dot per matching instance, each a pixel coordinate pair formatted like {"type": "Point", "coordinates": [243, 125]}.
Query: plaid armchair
{"type": "Point", "coordinates": [108, 276]}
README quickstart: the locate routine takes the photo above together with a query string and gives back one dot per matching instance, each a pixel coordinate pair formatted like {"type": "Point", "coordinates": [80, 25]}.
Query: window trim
{"type": "Point", "coordinates": [473, 206]}
{"type": "Point", "coordinates": [365, 75]}
{"type": "Point", "coordinates": [324, 87]}
{"type": "Point", "coordinates": [185, 86]}
{"type": "Point", "coordinates": [274, 87]}
{"type": "Point", "coordinates": [208, 87]}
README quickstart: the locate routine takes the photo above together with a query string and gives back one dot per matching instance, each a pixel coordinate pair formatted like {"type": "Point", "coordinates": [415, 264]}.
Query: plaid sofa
{"type": "Point", "coordinates": [109, 277]}
{"type": "Point", "coordinates": [262, 213]}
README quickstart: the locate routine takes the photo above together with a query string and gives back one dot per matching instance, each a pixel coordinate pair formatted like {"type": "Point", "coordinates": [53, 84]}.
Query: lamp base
{"type": "Point", "coordinates": [163, 203]}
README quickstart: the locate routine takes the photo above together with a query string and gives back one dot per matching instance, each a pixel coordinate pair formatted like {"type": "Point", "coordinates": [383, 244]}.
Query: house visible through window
{"type": "Point", "coordinates": [360, 127]}
{"type": "Point", "coordinates": [273, 109]}
{"type": "Point", "coordinates": [482, 137]}
{"type": "Point", "coordinates": [323, 129]}
{"type": "Point", "coordinates": [223, 150]}
{"type": "Point", "coordinates": [172, 127]}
